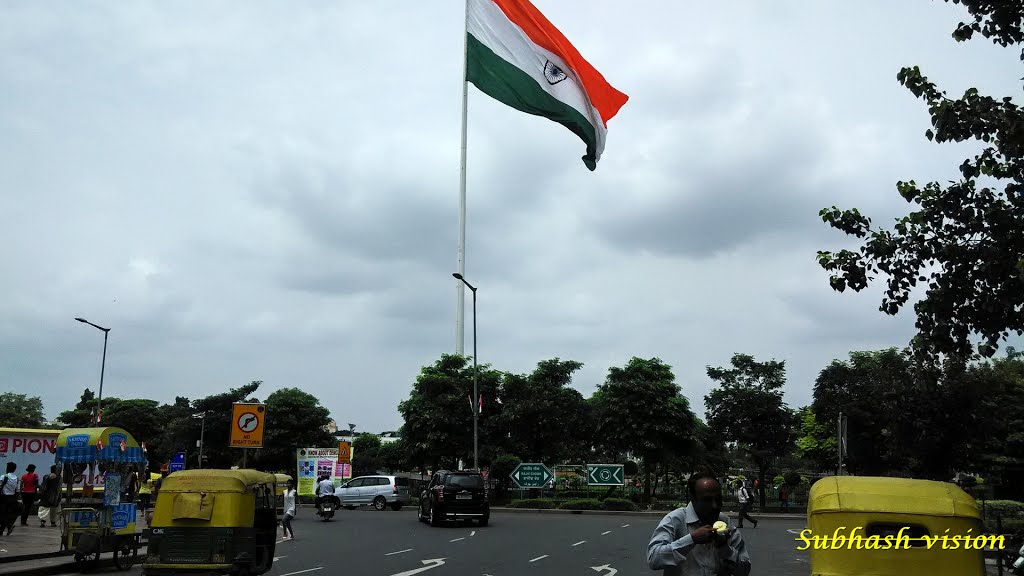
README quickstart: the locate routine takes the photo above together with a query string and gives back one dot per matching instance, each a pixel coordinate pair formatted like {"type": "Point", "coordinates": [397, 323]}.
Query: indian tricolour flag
{"type": "Point", "coordinates": [516, 56]}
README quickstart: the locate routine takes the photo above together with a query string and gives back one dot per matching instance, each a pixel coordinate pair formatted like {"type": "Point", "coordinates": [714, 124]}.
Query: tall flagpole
{"type": "Point", "coordinates": [460, 305]}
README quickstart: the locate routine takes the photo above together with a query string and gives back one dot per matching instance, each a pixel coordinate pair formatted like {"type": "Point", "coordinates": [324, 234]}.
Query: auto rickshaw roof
{"type": "Point", "coordinates": [892, 495]}
{"type": "Point", "coordinates": [105, 444]}
{"type": "Point", "coordinates": [211, 480]}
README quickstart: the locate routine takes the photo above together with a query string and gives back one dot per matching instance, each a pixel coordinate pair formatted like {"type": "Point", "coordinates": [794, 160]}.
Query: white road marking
{"type": "Point", "coordinates": [399, 552]}
{"type": "Point", "coordinates": [457, 539]}
{"type": "Point", "coordinates": [279, 541]}
{"type": "Point", "coordinates": [276, 558]}
{"type": "Point", "coordinates": [539, 558]}
{"type": "Point", "coordinates": [611, 571]}
{"type": "Point", "coordinates": [580, 542]}
{"type": "Point", "coordinates": [473, 533]}
{"type": "Point", "coordinates": [427, 565]}
{"type": "Point", "coordinates": [606, 532]}
{"type": "Point", "coordinates": [303, 571]}
{"type": "Point", "coordinates": [793, 531]}
{"type": "Point", "coordinates": [625, 525]}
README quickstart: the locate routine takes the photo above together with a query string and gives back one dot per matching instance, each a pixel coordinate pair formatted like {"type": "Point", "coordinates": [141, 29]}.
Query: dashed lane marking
{"type": "Point", "coordinates": [580, 542]}
{"type": "Point", "coordinates": [399, 552]}
{"type": "Point", "coordinates": [457, 539]}
{"type": "Point", "coordinates": [303, 571]}
{"type": "Point", "coordinates": [534, 560]}
{"type": "Point", "coordinates": [625, 525]}
{"type": "Point", "coordinates": [606, 532]}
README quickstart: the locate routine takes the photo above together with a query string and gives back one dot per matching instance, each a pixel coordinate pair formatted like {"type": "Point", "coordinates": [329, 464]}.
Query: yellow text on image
{"type": "Point", "coordinates": [901, 541]}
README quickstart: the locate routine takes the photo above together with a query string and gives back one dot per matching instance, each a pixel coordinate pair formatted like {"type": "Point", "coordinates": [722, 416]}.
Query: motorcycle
{"type": "Point", "coordinates": [328, 504]}
{"type": "Point", "coordinates": [1018, 566]}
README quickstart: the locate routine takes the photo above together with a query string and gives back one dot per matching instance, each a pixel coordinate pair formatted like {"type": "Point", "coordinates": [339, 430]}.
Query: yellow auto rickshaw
{"type": "Point", "coordinates": [219, 521]}
{"type": "Point", "coordinates": [892, 526]}
{"type": "Point", "coordinates": [280, 487]}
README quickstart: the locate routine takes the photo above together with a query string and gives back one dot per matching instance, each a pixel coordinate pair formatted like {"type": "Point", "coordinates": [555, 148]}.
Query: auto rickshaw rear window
{"type": "Point", "coordinates": [193, 506]}
{"type": "Point", "coordinates": [915, 532]}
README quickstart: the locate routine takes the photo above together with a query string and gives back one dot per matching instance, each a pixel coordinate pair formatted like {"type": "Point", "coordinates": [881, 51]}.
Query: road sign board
{"type": "Point", "coordinates": [177, 462]}
{"type": "Point", "coordinates": [247, 422]}
{"type": "Point", "coordinates": [606, 475]}
{"type": "Point", "coordinates": [344, 453]}
{"type": "Point", "coordinates": [531, 475]}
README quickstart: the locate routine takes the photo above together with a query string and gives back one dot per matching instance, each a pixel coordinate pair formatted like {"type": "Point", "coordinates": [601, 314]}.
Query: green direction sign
{"type": "Point", "coordinates": [606, 475]}
{"type": "Point", "coordinates": [531, 475]}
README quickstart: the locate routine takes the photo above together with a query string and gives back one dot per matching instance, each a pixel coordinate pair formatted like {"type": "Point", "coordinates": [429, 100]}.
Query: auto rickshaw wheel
{"type": "Point", "coordinates": [125, 554]}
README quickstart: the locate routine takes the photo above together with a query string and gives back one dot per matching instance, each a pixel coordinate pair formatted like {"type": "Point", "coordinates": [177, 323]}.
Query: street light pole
{"type": "Point", "coordinates": [103, 367]}
{"type": "Point", "coordinates": [202, 436]}
{"type": "Point", "coordinates": [476, 394]}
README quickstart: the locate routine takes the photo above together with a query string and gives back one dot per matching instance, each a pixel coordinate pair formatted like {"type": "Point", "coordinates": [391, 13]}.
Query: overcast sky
{"type": "Point", "coordinates": [269, 190]}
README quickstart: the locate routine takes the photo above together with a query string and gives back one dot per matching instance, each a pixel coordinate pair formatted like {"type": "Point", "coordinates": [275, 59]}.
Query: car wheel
{"type": "Point", "coordinates": [379, 503]}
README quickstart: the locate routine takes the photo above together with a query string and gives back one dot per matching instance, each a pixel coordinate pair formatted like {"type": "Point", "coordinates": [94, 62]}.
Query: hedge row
{"type": "Point", "coordinates": [577, 504]}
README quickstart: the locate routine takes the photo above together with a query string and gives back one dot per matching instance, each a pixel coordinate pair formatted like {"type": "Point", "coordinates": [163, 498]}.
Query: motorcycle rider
{"type": "Point", "coordinates": [324, 488]}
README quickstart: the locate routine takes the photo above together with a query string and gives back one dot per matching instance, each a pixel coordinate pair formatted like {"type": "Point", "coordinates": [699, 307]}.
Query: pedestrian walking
{"type": "Point", "coordinates": [29, 492]}
{"type": "Point", "coordinates": [289, 510]}
{"type": "Point", "coordinates": [687, 542]}
{"type": "Point", "coordinates": [784, 498]}
{"type": "Point", "coordinates": [746, 499]}
{"type": "Point", "coordinates": [9, 499]}
{"type": "Point", "coordinates": [49, 498]}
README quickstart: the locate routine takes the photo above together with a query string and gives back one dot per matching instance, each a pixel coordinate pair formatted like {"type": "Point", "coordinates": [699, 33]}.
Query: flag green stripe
{"type": "Point", "coordinates": [509, 85]}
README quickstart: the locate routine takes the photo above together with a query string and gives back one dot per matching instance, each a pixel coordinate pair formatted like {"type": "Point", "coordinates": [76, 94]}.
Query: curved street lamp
{"type": "Point", "coordinates": [103, 366]}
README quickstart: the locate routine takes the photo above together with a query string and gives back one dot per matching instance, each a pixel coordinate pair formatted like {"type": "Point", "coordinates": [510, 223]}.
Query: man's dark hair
{"type": "Point", "coordinates": [11, 467]}
{"type": "Point", "coordinates": [691, 484]}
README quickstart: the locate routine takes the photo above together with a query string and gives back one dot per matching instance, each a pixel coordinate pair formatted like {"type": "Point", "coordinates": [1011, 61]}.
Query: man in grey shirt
{"type": "Point", "coordinates": [685, 542]}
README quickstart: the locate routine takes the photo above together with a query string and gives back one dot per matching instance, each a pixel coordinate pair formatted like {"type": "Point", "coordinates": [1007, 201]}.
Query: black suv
{"type": "Point", "coordinates": [455, 495]}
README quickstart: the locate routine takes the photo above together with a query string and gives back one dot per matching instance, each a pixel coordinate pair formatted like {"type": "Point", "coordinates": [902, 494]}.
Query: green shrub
{"type": "Point", "coordinates": [1009, 525]}
{"type": "Point", "coordinates": [1004, 508]}
{"type": "Point", "coordinates": [667, 505]}
{"type": "Point", "coordinates": [581, 504]}
{"type": "Point", "coordinates": [538, 503]}
{"type": "Point", "coordinates": [618, 504]}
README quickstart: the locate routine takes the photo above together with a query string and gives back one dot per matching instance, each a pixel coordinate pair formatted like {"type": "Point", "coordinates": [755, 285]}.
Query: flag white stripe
{"type": "Point", "coordinates": [489, 25]}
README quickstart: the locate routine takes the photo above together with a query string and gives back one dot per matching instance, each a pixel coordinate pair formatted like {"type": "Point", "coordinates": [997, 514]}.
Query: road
{"type": "Point", "coordinates": [371, 543]}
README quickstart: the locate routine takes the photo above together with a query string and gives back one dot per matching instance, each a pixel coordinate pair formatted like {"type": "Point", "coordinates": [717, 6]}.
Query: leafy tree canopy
{"type": "Point", "coordinates": [20, 411]}
{"type": "Point", "coordinates": [965, 240]}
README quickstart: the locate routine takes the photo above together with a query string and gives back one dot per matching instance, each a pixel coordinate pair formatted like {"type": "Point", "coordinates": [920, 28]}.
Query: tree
{"type": "Point", "coordinates": [544, 417]}
{"type": "Point", "coordinates": [438, 413]}
{"type": "Point", "coordinates": [218, 409]}
{"type": "Point", "coordinates": [747, 408]}
{"type": "Point", "coordinates": [294, 419]}
{"type": "Point", "coordinates": [81, 416]}
{"type": "Point", "coordinates": [640, 409]}
{"type": "Point", "coordinates": [20, 411]}
{"type": "Point", "coordinates": [817, 440]}
{"type": "Point", "coordinates": [966, 240]}
{"type": "Point", "coordinates": [366, 458]}
{"type": "Point", "coordinates": [393, 456]}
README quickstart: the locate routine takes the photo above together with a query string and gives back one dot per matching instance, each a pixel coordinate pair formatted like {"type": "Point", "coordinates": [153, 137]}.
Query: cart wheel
{"type": "Point", "coordinates": [125, 554]}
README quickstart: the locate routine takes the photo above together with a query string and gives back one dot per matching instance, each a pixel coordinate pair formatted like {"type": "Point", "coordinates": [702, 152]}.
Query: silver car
{"type": "Point", "coordinates": [380, 491]}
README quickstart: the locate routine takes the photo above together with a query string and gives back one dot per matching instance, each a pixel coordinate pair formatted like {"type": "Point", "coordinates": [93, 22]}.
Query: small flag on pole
{"type": "Point", "coordinates": [481, 411]}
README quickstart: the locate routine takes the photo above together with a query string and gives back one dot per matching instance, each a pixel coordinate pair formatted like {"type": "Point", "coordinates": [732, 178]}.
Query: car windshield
{"type": "Point", "coordinates": [467, 481]}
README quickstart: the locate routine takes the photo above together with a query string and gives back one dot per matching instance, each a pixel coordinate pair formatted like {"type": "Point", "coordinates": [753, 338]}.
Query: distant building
{"type": "Point", "coordinates": [332, 427]}
{"type": "Point", "coordinates": [385, 437]}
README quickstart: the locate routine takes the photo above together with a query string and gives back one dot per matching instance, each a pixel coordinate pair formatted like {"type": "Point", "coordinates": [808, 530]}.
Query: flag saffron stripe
{"type": "Point", "coordinates": [605, 98]}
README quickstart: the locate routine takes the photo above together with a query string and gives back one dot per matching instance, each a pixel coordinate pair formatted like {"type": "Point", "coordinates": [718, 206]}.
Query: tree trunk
{"type": "Point", "coordinates": [761, 470]}
{"type": "Point", "coordinates": [647, 483]}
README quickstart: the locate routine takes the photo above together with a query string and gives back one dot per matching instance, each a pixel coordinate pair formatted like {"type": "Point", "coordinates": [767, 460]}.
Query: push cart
{"type": "Point", "coordinates": [100, 525]}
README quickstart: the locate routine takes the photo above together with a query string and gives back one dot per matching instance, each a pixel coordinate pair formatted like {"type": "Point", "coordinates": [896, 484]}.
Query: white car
{"type": "Point", "coordinates": [380, 491]}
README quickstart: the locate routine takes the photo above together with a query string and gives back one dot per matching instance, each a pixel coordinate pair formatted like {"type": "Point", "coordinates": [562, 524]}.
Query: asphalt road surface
{"type": "Point", "coordinates": [371, 543]}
